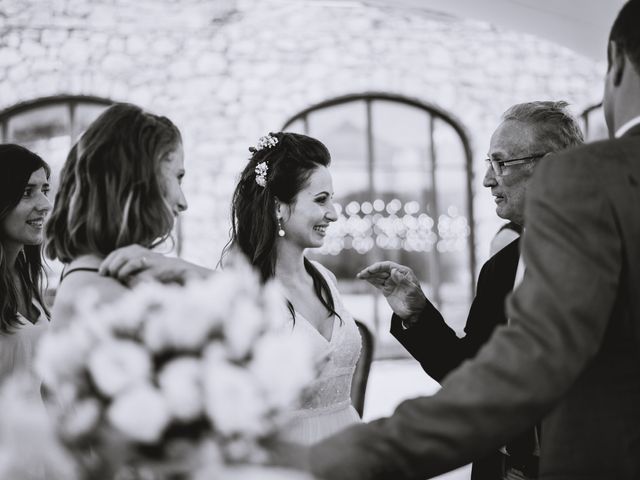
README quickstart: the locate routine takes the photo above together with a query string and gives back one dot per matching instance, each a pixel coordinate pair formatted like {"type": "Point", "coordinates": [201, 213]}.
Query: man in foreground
{"type": "Point", "coordinates": [571, 353]}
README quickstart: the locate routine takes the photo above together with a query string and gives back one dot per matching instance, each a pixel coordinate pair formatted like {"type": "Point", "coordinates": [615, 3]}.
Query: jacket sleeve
{"type": "Point", "coordinates": [436, 346]}
{"type": "Point", "coordinates": [572, 251]}
{"type": "Point", "coordinates": [430, 341]}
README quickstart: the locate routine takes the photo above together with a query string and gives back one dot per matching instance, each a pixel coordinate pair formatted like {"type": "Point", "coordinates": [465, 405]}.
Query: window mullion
{"type": "Point", "coordinates": [434, 255]}
{"type": "Point", "coordinates": [372, 192]}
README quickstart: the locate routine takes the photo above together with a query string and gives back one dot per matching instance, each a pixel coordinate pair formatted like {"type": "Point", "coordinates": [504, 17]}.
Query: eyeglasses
{"type": "Point", "coordinates": [501, 167]}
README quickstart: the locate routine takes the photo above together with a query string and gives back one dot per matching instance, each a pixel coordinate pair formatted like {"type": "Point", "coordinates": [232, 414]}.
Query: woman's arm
{"type": "Point", "coordinates": [133, 263]}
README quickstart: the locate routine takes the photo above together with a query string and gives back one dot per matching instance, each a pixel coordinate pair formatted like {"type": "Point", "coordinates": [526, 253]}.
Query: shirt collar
{"type": "Point", "coordinates": [627, 126]}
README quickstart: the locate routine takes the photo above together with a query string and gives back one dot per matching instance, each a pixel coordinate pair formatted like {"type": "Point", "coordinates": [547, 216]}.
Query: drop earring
{"type": "Point", "coordinates": [280, 229]}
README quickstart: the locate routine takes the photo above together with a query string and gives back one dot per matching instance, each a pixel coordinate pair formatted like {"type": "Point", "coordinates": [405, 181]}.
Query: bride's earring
{"type": "Point", "coordinates": [280, 229]}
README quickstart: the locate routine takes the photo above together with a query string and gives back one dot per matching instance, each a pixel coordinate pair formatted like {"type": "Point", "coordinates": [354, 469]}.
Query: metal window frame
{"type": "Point", "coordinates": [433, 112]}
{"type": "Point", "coordinates": [72, 102]}
{"type": "Point", "coordinates": [586, 113]}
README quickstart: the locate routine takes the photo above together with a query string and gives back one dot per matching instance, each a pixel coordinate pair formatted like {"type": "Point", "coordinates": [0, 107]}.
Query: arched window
{"type": "Point", "coordinates": [402, 181]}
{"type": "Point", "coordinates": [50, 127]}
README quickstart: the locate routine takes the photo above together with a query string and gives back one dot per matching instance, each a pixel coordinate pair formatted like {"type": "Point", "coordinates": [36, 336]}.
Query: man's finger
{"type": "Point", "coordinates": [400, 277]}
{"type": "Point", "coordinates": [405, 279]}
{"type": "Point", "coordinates": [378, 283]}
{"type": "Point", "coordinates": [379, 267]}
{"type": "Point", "coordinates": [366, 275]}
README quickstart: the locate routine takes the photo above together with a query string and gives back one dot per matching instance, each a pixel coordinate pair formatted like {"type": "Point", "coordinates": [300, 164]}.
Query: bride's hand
{"type": "Point", "coordinates": [124, 262]}
{"type": "Point", "coordinates": [133, 263]}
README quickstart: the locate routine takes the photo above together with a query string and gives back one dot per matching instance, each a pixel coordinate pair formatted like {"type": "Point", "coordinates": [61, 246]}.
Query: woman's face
{"type": "Point", "coordinates": [306, 220]}
{"type": "Point", "coordinates": [172, 172]}
{"type": "Point", "coordinates": [25, 223]}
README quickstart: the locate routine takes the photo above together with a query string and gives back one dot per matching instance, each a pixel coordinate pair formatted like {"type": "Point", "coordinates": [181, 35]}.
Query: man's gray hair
{"type": "Point", "coordinates": [556, 128]}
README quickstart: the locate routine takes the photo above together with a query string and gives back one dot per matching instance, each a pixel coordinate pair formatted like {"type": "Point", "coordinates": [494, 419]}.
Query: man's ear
{"type": "Point", "coordinates": [618, 62]}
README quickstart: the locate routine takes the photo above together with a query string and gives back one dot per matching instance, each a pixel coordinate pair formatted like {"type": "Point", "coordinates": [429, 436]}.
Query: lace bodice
{"type": "Point", "coordinates": [332, 388]}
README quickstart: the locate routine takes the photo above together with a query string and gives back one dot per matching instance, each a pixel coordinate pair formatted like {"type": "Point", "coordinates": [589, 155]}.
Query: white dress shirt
{"type": "Point", "coordinates": [627, 126]}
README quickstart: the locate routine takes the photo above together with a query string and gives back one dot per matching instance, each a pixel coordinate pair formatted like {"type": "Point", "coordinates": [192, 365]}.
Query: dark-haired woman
{"type": "Point", "coordinates": [24, 206]}
{"type": "Point", "coordinates": [281, 206]}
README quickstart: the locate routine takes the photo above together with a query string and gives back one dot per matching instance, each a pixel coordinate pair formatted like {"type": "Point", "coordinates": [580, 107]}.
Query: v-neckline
{"type": "Point", "coordinates": [310, 325]}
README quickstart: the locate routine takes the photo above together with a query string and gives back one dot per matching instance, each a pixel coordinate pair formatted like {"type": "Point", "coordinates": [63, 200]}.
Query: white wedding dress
{"type": "Point", "coordinates": [326, 407]}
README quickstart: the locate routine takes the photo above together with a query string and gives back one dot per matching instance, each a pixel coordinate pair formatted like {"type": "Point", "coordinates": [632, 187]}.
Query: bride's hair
{"type": "Point", "coordinates": [289, 163]}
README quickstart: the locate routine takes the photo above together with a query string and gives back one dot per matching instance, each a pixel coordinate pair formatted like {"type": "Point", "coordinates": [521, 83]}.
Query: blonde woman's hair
{"type": "Point", "coordinates": [111, 192]}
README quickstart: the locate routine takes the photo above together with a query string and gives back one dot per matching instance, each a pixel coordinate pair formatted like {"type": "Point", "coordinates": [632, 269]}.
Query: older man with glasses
{"type": "Point", "coordinates": [528, 132]}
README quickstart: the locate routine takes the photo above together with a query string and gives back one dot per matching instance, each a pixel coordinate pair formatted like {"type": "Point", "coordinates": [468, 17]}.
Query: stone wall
{"type": "Point", "coordinates": [228, 71]}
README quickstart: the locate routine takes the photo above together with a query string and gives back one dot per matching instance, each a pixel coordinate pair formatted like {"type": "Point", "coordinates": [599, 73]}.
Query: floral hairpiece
{"type": "Point", "coordinates": [261, 173]}
{"type": "Point", "coordinates": [267, 141]}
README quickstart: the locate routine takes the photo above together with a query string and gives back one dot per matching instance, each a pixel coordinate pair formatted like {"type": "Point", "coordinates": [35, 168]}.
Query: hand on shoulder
{"type": "Point", "coordinates": [134, 263]}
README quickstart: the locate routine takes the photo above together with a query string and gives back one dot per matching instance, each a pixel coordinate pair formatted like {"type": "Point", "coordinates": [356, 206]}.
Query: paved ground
{"type": "Point", "coordinates": [392, 381]}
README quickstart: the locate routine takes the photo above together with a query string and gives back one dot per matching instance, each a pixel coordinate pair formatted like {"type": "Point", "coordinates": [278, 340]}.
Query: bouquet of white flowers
{"type": "Point", "coordinates": [193, 375]}
{"type": "Point", "coordinates": [29, 446]}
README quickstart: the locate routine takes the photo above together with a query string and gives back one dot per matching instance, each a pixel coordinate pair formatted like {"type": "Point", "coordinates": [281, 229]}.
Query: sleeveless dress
{"type": "Point", "coordinates": [326, 407]}
{"type": "Point", "coordinates": [17, 349]}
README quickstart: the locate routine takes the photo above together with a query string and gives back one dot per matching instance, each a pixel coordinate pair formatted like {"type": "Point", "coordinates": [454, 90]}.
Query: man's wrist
{"type": "Point", "coordinates": [408, 321]}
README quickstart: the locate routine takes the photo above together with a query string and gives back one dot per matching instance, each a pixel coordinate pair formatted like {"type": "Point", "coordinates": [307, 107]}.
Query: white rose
{"type": "Point", "coordinates": [232, 399]}
{"type": "Point", "coordinates": [81, 418]}
{"type": "Point", "coordinates": [209, 299]}
{"type": "Point", "coordinates": [284, 364]}
{"type": "Point", "coordinates": [210, 461]}
{"type": "Point", "coordinates": [62, 356]}
{"type": "Point", "coordinates": [141, 413]}
{"type": "Point", "coordinates": [243, 326]}
{"type": "Point", "coordinates": [127, 314]}
{"type": "Point", "coordinates": [184, 322]}
{"type": "Point", "coordinates": [29, 444]}
{"type": "Point", "coordinates": [215, 351]}
{"type": "Point", "coordinates": [181, 384]}
{"type": "Point", "coordinates": [239, 276]}
{"type": "Point", "coordinates": [261, 472]}
{"type": "Point", "coordinates": [118, 364]}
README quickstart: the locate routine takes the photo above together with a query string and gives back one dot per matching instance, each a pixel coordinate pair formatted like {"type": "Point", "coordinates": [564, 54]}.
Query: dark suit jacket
{"type": "Point", "coordinates": [438, 348]}
{"type": "Point", "coordinates": [571, 352]}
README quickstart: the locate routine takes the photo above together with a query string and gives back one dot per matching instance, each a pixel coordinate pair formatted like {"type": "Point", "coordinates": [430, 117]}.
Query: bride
{"type": "Point", "coordinates": [281, 206]}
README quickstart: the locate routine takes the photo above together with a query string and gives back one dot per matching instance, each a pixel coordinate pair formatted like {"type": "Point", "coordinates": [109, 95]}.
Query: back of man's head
{"type": "Point", "coordinates": [625, 33]}
{"type": "Point", "coordinates": [555, 127]}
